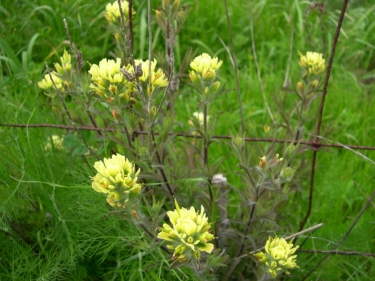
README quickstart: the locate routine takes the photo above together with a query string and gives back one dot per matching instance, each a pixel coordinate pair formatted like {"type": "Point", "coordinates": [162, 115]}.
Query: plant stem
{"type": "Point", "coordinates": [205, 151]}
{"type": "Point", "coordinates": [249, 222]}
{"type": "Point", "coordinates": [68, 113]}
{"type": "Point", "coordinates": [161, 167]}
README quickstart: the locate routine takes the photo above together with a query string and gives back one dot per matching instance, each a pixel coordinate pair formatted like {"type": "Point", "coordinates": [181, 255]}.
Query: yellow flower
{"type": "Point", "coordinates": [113, 12]}
{"type": "Point", "coordinates": [158, 78]}
{"type": "Point", "coordinates": [56, 143]}
{"type": "Point", "coordinates": [266, 128]}
{"type": "Point", "coordinates": [200, 117]}
{"type": "Point", "coordinates": [312, 63]}
{"type": "Point", "coordinates": [46, 82]}
{"type": "Point", "coordinates": [314, 83]}
{"type": "Point", "coordinates": [107, 70]}
{"type": "Point", "coordinates": [66, 65]}
{"type": "Point", "coordinates": [204, 67]}
{"type": "Point", "coordinates": [107, 80]}
{"type": "Point", "coordinates": [194, 77]}
{"type": "Point", "coordinates": [117, 178]}
{"type": "Point", "coordinates": [189, 234]}
{"type": "Point", "coordinates": [204, 62]}
{"type": "Point", "coordinates": [279, 256]}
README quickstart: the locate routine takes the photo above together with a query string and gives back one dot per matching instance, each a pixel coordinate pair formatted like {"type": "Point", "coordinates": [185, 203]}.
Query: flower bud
{"type": "Point", "coordinates": [117, 36]}
{"type": "Point", "coordinates": [314, 83]}
{"type": "Point", "coordinates": [159, 15]}
{"type": "Point", "coordinates": [135, 214]}
{"type": "Point", "coordinates": [300, 86]}
{"type": "Point", "coordinates": [115, 114]}
{"type": "Point", "coordinates": [194, 77]}
{"type": "Point", "coordinates": [153, 111]}
{"type": "Point", "coordinates": [208, 74]}
{"type": "Point", "coordinates": [215, 86]}
{"type": "Point", "coordinates": [238, 141]}
{"type": "Point", "coordinates": [176, 5]}
{"type": "Point", "coordinates": [286, 174]}
{"type": "Point", "coordinates": [263, 162]}
{"type": "Point", "coordinates": [143, 151]}
{"type": "Point", "coordinates": [266, 128]}
{"type": "Point", "coordinates": [290, 150]}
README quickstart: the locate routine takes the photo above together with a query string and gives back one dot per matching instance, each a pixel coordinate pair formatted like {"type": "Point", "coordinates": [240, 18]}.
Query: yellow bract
{"type": "Point", "coordinates": [56, 143]}
{"type": "Point", "coordinates": [66, 65]}
{"type": "Point", "coordinates": [200, 117]}
{"type": "Point", "coordinates": [204, 67]}
{"type": "Point", "coordinates": [46, 82]}
{"type": "Point", "coordinates": [107, 70]}
{"type": "Point", "coordinates": [113, 12]}
{"type": "Point", "coordinates": [108, 81]}
{"type": "Point", "coordinates": [117, 178]}
{"type": "Point", "coordinates": [189, 234]}
{"type": "Point", "coordinates": [158, 78]}
{"type": "Point", "coordinates": [204, 62]}
{"type": "Point", "coordinates": [312, 63]}
{"type": "Point", "coordinates": [60, 77]}
{"type": "Point", "coordinates": [279, 256]}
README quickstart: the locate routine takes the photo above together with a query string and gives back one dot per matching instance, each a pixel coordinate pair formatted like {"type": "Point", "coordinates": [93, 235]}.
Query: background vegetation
{"type": "Point", "coordinates": [52, 224]}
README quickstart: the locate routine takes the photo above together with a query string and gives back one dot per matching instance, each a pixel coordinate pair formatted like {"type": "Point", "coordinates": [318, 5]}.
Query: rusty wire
{"type": "Point", "coordinates": [181, 134]}
{"type": "Point", "coordinates": [316, 140]}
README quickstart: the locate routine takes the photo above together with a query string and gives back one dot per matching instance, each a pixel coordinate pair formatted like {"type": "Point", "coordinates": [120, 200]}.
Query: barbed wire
{"type": "Point", "coordinates": [182, 134]}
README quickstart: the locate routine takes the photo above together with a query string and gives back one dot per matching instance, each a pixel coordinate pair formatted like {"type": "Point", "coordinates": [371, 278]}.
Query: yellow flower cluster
{"type": "Point", "coordinates": [66, 64]}
{"type": "Point", "coordinates": [46, 82]}
{"type": "Point", "coordinates": [158, 78]}
{"type": "Point", "coordinates": [112, 13]}
{"type": "Point", "coordinates": [117, 178]}
{"type": "Point", "coordinates": [204, 67]}
{"type": "Point", "coordinates": [108, 81]}
{"type": "Point", "coordinates": [279, 256]}
{"type": "Point", "coordinates": [312, 63]}
{"type": "Point", "coordinates": [60, 77]}
{"type": "Point", "coordinates": [189, 234]}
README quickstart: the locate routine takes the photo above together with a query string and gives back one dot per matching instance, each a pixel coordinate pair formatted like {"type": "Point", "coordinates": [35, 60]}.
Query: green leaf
{"type": "Point", "coordinates": [72, 141]}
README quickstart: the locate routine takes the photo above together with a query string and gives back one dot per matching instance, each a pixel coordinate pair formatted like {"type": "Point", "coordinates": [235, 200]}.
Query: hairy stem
{"type": "Point", "coordinates": [68, 113]}
{"type": "Point", "coordinates": [160, 162]}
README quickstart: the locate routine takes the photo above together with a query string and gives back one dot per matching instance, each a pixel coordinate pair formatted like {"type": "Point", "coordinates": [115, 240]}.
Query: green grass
{"type": "Point", "coordinates": [52, 223]}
